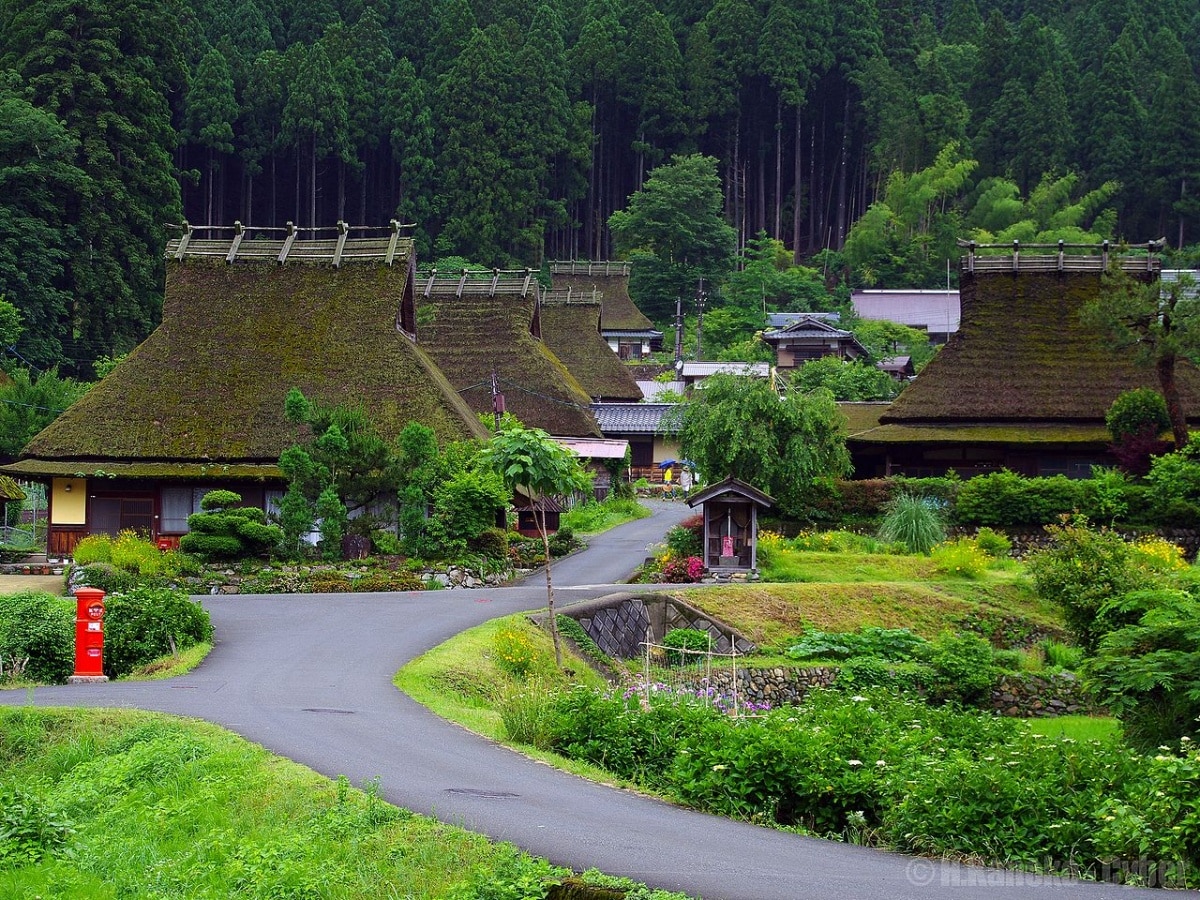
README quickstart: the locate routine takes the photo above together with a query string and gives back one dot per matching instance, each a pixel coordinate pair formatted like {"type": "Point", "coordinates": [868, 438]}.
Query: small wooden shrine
{"type": "Point", "coordinates": [730, 510]}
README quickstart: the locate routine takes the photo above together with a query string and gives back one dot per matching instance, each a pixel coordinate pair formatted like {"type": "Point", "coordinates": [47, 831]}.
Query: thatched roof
{"type": "Point", "coordinates": [10, 490]}
{"type": "Point", "coordinates": [474, 327]}
{"type": "Point", "coordinates": [611, 281]}
{"type": "Point", "coordinates": [206, 389]}
{"type": "Point", "coordinates": [1023, 357]}
{"type": "Point", "coordinates": [572, 331]}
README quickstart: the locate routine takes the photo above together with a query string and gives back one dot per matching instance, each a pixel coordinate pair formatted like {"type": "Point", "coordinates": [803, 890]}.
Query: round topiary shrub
{"type": "Point", "coordinates": [37, 637]}
{"type": "Point", "coordinates": [1135, 412]}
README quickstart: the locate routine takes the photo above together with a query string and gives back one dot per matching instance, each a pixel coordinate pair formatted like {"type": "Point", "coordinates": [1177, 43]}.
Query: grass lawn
{"type": "Point", "coordinates": [111, 804]}
{"type": "Point", "coordinates": [1079, 728]}
{"type": "Point", "coordinates": [844, 591]}
{"type": "Point", "coordinates": [161, 807]}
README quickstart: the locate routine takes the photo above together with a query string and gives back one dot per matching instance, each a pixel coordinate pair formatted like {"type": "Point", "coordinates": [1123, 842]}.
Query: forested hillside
{"type": "Point", "coordinates": [510, 130]}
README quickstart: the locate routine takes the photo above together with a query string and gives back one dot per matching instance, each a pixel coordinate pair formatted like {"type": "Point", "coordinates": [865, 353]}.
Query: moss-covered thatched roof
{"type": "Point", "coordinates": [10, 490]}
{"type": "Point", "coordinates": [572, 332]}
{"type": "Point", "coordinates": [1022, 356]}
{"type": "Point", "coordinates": [208, 386]}
{"type": "Point", "coordinates": [482, 331]}
{"type": "Point", "coordinates": [618, 312]}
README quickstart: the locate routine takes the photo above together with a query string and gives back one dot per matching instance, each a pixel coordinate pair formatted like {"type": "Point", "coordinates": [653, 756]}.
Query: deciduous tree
{"type": "Point", "coordinates": [529, 459]}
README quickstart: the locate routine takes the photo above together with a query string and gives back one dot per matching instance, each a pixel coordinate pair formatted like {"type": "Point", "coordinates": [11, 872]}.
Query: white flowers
{"type": "Point", "coordinates": [719, 767]}
{"type": "Point", "coordinates": [854, 762]}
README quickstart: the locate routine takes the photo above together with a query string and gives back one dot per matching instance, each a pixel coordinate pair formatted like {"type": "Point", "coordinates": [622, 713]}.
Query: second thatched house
{"type": "Point", "coordinates": [571, 329]}
{"type": "Point", "coordinates": [628, 332]}
{"type": "Point", "coordinates": [1023, 384]}
{"type": "Point", "coordinates": [199, 404]}
{"type": "Point", "coordinates": [484, 331]}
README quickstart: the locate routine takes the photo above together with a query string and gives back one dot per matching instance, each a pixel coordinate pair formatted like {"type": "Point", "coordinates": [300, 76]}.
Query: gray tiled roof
{"type": "Point", "coordinates": [631, 418]}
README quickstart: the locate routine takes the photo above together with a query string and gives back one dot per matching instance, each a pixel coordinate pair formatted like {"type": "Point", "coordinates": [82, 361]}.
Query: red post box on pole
{"type": "Point", "coordinates": [89, 636]}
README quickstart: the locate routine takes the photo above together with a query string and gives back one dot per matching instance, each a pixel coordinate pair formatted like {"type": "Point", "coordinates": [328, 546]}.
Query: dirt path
{"type": "Point", "coordinates": [12, 584]}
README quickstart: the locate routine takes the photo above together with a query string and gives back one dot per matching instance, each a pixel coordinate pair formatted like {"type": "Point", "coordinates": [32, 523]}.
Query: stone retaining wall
{"type": "Point", "coordinates": [620, 623]}
{"type": "Point", "coordinates": [1018, 696]}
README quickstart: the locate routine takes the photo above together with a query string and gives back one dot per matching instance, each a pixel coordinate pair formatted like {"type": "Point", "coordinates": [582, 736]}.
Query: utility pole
{"type": "Point", "coordinates": [678, 337]}
{"type": "Point", "coordinates": [700, 321]}
{"type": "Point", "coordinates": [497, 401]}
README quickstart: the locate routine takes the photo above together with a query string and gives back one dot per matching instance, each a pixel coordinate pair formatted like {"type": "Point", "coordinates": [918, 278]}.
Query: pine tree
{"type": "Point", "coordinates": [314, 119]}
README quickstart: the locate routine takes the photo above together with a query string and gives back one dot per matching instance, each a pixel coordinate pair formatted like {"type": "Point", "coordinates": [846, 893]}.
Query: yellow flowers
{"type": "Point", "coordinates": [513, 652]}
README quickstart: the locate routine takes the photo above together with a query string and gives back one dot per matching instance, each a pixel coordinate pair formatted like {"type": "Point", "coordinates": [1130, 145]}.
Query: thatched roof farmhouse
{"type": "Point", "coordinates": [571, 329]}
{"type": "Point", "coordinates": [1023, 384]}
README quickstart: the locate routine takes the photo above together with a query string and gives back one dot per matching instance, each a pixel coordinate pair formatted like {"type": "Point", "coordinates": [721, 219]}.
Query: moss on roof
{"type": "Point", "coordinates": [1014, 433]}
{"type": "Point", "coordinates": [85, 468]}
{"type": "Point", "coordinates": [470, 336]}
{"type": "Point", "coordinates": [572, 332]}
{"type": "Point", "coordinates": [618, 312]}
{"type": "Point", "coordinates": [861, 416]}
{"type": "Point", "coordinates": [208, 385]}
{"type": "Point", "coordinates": [10, 490]}
{"type": "Point", "coordinates": [1022, 355]}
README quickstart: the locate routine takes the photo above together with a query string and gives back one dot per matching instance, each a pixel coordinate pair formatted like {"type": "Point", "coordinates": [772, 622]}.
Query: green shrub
{"type": "Point", "coordinates": [1081, 571]}
{"type": "Point", "coordinates": [1155, 816]}
{"type": "Point", "coordinates": [491, 542]}
{"type": "Point", "coordinates": [964, 666]}
{"type": "Point", "coordinates": [37, 637]}
{"type": "Point", "coordinates": [687, 538]}
{"type": "Point", "coordinates": [385, 543]}
{"type": "Point", "coordinates": [1148, 671]}
{"type": "Point", "coordinates": [93, 548]}
{"type": "Point", "coordinates": [329, 583]}
{"type": "Point", "coordinates": [683, 643]}
{"type": "Point", "coordinates": [104, 576]}
{"type": "Point", "coordinates": [145, 623]}
{"type": "Point", "coordinates": [136, 554]}
{"type": "Point", "coordinates": [914, 522]}
{"type": "Point", "coordinates": [515, 877]}
{"type": "Point", "coordinates": [29, 828]}
{"type": "Point", "coordinates": [1005, 498]}
{"type": "Point", "coordinates": [959, 558]}
{"type": "Point", "coordinates": [563, 542]}
{"type": "Point", "coordinates": [870, 640]}
{"type": "Point", "coordinates": [225, 531]}
{"type": "Point", "coordinates": [1136, 411]}
{"type": "Point", "coordinates": [994, 543]}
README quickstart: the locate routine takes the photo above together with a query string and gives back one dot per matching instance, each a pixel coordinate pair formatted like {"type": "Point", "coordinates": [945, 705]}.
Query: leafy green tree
{"type": "Point", "coordinates": [260, 124]}
{"type": "Point", "coordinates": [784, 445]}
{"type": "Point", "coordinates": [882, 339]}
{"type": "Point", "coordinates": [528, 459]}
{"type": "Point", "coordinates": [767, 280]}
{"type": "Point", "coordinates": [1051, 212]}
{"type": "Point", "coordinates": [28, 403]}
{"type": "Point", "coordinates": [10, 324]}
{"type": "Point", "coordinates": [1158, 323]}
{"type": "Point", "coordinates": [910, 233]}
{"type": "Point", "coordinates": [1173, 136]}
{"type": "Point", "coordinates": [845, 379]}
{"type": "Point", "coordinates": [345, 459]}
{"type": "Point", "coordinates": [1148, 672]}
{"type": "Point", "coordinates": [675, 219]}
{"type": "Point", "coordinates": [412, 143]}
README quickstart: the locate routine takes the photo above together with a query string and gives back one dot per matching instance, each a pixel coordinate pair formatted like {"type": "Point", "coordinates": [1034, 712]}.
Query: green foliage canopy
{"type": "Point", "coordinates": [741, 427]}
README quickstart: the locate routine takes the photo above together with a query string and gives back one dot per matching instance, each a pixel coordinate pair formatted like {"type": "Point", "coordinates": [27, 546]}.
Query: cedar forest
{"type": "Point", "coordinates": [859, 137]}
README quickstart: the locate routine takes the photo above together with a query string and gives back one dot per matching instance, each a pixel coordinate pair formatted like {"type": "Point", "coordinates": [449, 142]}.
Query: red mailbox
{"type": "Point", "coordinates": [89, 635]}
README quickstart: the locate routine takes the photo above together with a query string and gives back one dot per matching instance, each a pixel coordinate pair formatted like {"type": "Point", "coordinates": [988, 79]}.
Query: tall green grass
{"type": "Point", "coordinates": [594, 517]}
{"type": "Point", "coordinates": [114, 804]}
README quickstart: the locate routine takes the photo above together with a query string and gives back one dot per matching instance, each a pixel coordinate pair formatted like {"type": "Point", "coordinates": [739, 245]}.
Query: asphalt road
{"type": "Point", "coordinates": [309, 677]}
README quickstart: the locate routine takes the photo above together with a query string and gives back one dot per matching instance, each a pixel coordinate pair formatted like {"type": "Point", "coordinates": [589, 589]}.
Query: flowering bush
{"type": "Point", "coordinates": [959, 558]}
{"type": "Point", "coordinates": [681, 570]}
{"type": "Point", "coordinates": [513, 652]}
{"type": "Point", "coordinates": [1159, 554]}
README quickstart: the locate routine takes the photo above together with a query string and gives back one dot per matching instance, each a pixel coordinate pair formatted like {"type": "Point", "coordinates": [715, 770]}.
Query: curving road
{"type": "Point", "coordinates": [309, 677]}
